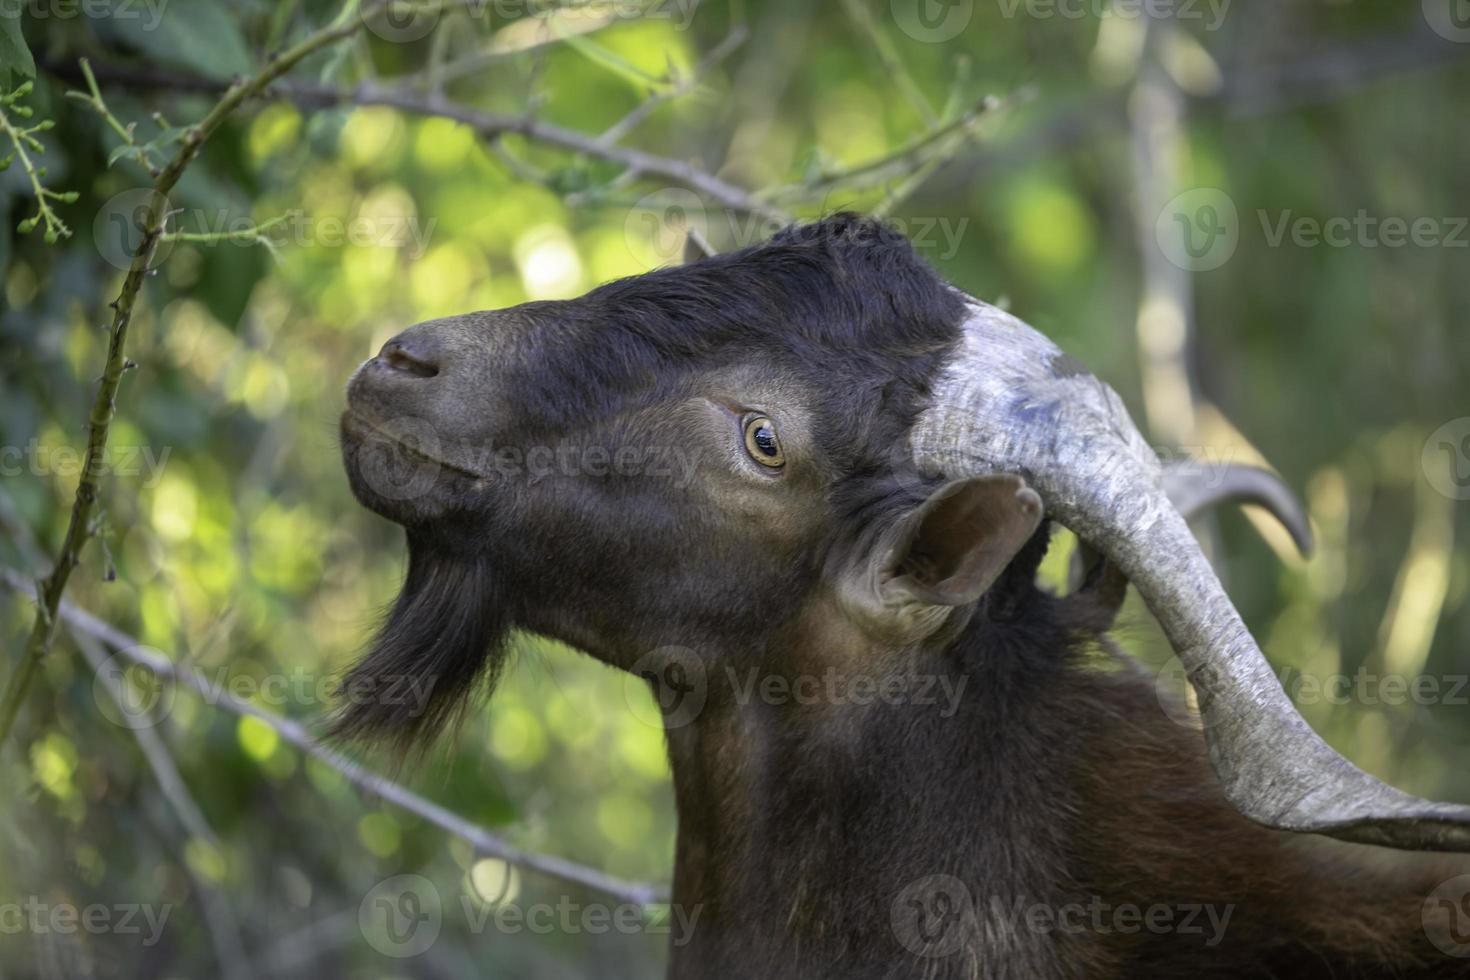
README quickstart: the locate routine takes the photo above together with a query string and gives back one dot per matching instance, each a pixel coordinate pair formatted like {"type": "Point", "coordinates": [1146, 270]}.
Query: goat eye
{"type": "Point", "coordinates": [761, 442]}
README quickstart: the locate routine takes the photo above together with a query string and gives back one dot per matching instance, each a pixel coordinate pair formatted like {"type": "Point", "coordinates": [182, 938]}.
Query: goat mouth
{"type": "Point", "coordinates": [357, 430]}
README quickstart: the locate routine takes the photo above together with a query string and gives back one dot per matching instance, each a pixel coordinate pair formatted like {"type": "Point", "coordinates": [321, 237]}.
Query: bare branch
{"type": "Point", "coordinates": [484, 841]}
{"type": "Point", "coordinates": [859, 14]}
{"type": "Point", "coordinates": [644, 109]}
{"type": "Point", "coordinates": [487, 125]}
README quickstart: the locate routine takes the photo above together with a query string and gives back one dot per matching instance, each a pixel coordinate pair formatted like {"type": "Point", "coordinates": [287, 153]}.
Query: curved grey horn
{"type": "Point", "coordinates": [1192, 492]}
{"type": "Point", "coordinates": [1010, 401]}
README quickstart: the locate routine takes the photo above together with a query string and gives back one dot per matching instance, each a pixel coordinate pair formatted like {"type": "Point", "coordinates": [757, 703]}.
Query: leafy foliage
{"type": "Point", "coordinates": [238, 547]}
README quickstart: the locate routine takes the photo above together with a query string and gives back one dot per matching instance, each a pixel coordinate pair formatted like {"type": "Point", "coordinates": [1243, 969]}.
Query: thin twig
{"type": "Point", "coordinates": [903, 160]}
{"type": "Point", "coordinates": [859, 14]}
{"type": "Point", "coordinates": [254, 233]}
{"type": "Point", "coordinates": [644, 109]}
{"type": "Point", "coordinates": [93, 100]}
{"type": "Point", "coordinates": [484, 841]}
{"type": "Point", "coordinates": [23, 138]}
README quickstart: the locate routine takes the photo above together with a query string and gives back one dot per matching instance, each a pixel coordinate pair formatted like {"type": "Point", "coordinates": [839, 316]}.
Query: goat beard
{"type": "Point", "coordinates": [444, 637]}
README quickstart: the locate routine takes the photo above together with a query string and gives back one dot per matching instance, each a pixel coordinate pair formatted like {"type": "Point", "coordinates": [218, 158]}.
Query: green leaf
{"type": "Point", "coordinates": [15, 54]}
{"type": "Point", "coordinates": [200, 34]}
{"type": "Point", "coordinates": [159, 147]}
{"type": "Point", "coordinates": [611, 60]}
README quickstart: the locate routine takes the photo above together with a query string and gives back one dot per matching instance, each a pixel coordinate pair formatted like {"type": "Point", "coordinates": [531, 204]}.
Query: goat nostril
{"type": "Point", "coordinates": [399, 359]}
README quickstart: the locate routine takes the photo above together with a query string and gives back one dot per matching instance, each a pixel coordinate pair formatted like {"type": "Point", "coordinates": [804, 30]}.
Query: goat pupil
{"type": "Point", "coordinates": [765, 440]}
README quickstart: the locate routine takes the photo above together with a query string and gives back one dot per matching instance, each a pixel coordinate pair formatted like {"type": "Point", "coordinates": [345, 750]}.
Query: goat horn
{"type": "Point", "coordinates": [1011, 401]}
{"type": "Point", "coordinates": [1192, 494]}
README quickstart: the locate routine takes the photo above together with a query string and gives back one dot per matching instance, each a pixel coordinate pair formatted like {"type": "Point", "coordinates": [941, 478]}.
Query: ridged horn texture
{"type": "Point", "coordinates": [1012, 402]}
{"type": "Point", "coordinates": [1192, 492]}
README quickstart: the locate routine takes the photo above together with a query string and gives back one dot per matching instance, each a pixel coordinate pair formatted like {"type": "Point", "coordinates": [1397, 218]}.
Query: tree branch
{"type": "Point", "coordinates": [638, 893]}
{"type": "Point", "coordinates": [487, 125]}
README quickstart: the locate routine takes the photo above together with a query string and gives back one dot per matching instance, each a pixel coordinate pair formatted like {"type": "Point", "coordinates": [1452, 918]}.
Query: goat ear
{"type": "Point", "coordinates": [953, 546]}
{"type": "Point", "coordinates": [696, 246]}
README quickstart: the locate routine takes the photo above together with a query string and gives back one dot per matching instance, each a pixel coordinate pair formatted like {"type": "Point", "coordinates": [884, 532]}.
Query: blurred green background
{"type": "Point", "coordinates": [237, 545]}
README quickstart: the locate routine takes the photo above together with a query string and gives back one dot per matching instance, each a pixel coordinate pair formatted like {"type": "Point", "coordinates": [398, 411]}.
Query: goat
{"type": "Point", "coordinates": [878, 460]}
